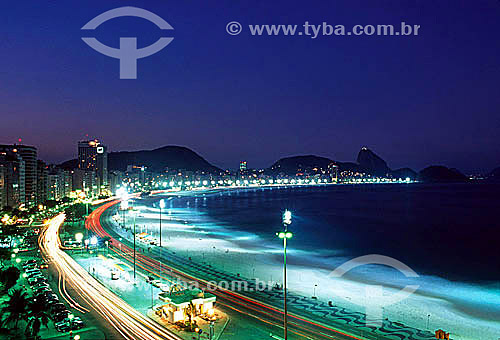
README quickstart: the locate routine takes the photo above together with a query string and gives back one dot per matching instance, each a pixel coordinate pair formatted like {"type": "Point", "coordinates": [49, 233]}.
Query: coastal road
{"type": "Point", "coordinates": [271, 315]}
{"type": "Point", "coordinates": [128, 322]}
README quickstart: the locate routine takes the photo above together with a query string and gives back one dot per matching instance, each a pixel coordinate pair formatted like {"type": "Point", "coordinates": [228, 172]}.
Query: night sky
{"type": "Point", "coordinates": [416, 101]}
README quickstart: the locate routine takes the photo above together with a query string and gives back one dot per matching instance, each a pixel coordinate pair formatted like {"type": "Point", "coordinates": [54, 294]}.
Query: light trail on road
{"type": "Point", "coordinates": [130, 323]}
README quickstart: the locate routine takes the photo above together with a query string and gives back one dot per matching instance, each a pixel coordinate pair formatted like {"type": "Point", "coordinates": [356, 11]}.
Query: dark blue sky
{"type": "Point", "coordinates": [416, 101]}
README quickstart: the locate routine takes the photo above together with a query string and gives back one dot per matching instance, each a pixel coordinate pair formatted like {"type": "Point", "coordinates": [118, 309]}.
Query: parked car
{"type": "Point", "coordinates": [77, 324]}
{"type": "Point", "coordinates": [64, 327]}
{"type": "Point", "coordinates": [40, 286]}
{"type": "Point", "coordinates": [43, 291]}
{"type": "Point", "coordinates": [31, 270]}
{"type": "Point", "coordinates": [35, 274]}
{"type": "Point", "coordinates": [60, 316]}
{"type": "Point", "coordinates": [27, 266]}
{"type": "Point", "coordinates": [57, 307]}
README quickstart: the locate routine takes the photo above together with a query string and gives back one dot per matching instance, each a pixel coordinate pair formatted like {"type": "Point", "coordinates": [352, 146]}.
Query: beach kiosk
{"type": "Point", "coordinates": [179, 303]}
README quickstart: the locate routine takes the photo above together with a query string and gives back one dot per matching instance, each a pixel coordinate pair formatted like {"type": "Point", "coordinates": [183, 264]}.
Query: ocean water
{"type": "Point", "coordinates": [451, 231]}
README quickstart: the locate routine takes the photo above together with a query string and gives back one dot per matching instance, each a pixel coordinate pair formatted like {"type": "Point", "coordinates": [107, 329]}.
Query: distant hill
{"type": "Point", "coordinates": [404, 173]}
{"type": "Point", "coordinates": [157, 160]}
{"type": "Point", "coordinates": [495, 174]}
{"type": "Point", "coordinates": [439, 173]}
{"type": "Point", "coordinates": [372, 163]}
{"type": "Point", "coordinates": [291, 165]}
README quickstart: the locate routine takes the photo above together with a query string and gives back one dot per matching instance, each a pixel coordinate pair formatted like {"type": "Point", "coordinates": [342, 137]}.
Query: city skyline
{"type": "Point", "coordinates": [208, 87]}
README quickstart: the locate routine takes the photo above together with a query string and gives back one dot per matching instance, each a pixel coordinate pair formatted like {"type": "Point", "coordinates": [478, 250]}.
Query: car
{"type": "Point", "coordinates": [77, 324]}
{"type": "Point", "coordinates": [57, 307]}
{"type": "Point", "coordinates": [65, 327]}
{"type": "Point", "coordinates": [41, 290]}
{"type": "Point", "coordinates": [164, 287]}
{"type": "Point", "coordinates": [156, 283]}
{"type": "Point", "coordinates": [35, 280]}
{"type": "Point", "coordinates": [51, 297]}
{"type": "Point", "coordinates": [34, 272]}
{"type": "Point", "coordinates": [32, 281]}
{"type": "Point", "coordinates": [60, 316]}
{"type": "Point", "coordinates": [31, 270]}
{"type": "Point", "coordinates": [75, 320]}
{"type": "Point", "coordinates": [30, 261]}
{"type": "Point", "coordinates": [40, 286]}
{"type": "Point", "coordinates": [44, 266]}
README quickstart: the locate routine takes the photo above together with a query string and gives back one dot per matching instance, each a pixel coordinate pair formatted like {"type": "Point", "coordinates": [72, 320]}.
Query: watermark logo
{"type": "Point", "coordinates": [234, 28]}
{"type": "Point", "coordinates": [374, 309]}
{"type": "Point", "coordinates": [128, 53]}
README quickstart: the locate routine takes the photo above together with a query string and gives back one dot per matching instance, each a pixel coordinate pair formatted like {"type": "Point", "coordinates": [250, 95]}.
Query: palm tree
{"type": "Point", "coordinates": [38, 315]}
{"type": "Point", "coordinates": [14, 308]}
{"type": "Point", "coordinates": [191, 312]}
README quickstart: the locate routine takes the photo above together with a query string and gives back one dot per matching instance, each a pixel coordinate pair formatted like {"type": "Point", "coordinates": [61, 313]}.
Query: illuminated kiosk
{"type": "Point", "coordinates": [178, 304]}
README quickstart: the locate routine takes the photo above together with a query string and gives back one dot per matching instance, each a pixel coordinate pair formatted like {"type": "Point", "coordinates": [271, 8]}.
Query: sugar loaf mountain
{"type": "Point", "coordinates": [367, 162]}
{"type": "Point", "coordinates": [182, 158]}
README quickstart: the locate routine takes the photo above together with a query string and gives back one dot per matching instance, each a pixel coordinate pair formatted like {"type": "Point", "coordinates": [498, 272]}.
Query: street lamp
{"type": "Point", "coordinates": [285, 235]}
{"type": "Point", "coordinates": [70, 317]}
{"type": "Point", "coordinates": [134, 213]}
{"type": "Point", "coordinates": [162, 206]}
{"type": "Point", "coordinates": [79, 237]}
{"type": "Point", "coordinates": [123, 207]}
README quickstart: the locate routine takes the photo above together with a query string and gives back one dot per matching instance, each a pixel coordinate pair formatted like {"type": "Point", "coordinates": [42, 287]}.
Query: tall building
{"type": "Point", "coordinates": [29, 155]}
{"type": "Point", "coordinates": [13, 178]}
{"type": "Point", "coordinates": [60, 183]}
{"type": "Point", "coordinates": [333, 171]}
{"type": "Point", "coordinates": [3, 198]}
{"type": "Point", "coordinates": [93, 156]}
{"type": "Point", "coordinates": [243, 166]}
{"type": "Point", "coordinates": [42, 182]}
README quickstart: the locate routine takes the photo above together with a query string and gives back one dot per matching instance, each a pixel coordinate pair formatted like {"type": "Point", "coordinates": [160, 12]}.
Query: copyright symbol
{"type": "Point", "coordinates": [234, 28]}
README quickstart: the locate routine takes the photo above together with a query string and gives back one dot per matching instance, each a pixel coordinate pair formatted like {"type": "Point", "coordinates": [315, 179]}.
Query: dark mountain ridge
{"type": "Point", "coordinates": [157, 160]}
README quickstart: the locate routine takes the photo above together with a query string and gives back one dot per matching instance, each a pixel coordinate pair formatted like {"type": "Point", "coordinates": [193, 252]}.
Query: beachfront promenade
{"type": "Point", "coordinates": [310, 311]}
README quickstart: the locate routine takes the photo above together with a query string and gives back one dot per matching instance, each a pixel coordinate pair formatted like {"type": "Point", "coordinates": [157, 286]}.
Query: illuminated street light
{"type": "Point", "coordinates": [162, 206]}
{"type": "Point", "coordinates": [285, 235]}
{"type": "Point", "coordinates": [79, 237]}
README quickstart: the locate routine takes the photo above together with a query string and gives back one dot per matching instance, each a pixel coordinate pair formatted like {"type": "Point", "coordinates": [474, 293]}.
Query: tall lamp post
{"type": "Point", "coordinates": [134, 212]}
{"type": "Point", "coordinates": [285, 235]}
{"type": "Point", "coordinates": [162, 206]}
